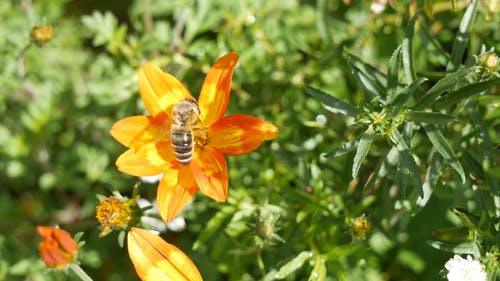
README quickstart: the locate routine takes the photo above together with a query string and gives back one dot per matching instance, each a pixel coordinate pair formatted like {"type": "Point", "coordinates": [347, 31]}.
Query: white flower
{"type": "Point", "coordinates": [378, 6]}
{"type": "Point", "coordinates": [460, 269]}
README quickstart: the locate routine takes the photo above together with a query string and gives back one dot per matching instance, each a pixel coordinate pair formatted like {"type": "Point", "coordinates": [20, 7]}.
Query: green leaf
{"type": "Point", "coordinates": [332, 103]}
{"type": "Point", "coordinates": [407, 53]}
{"type": "Point", "coordinates": [407, 161]}
{"type": "Point", "coordinates": [343, 149]}
{"type": "Point", "coordinates": [214, 225]}
{"type": "Point", "coordinates": [465, 248]}
{"type": "Point", "coordinates": [446, 83]}
{"type": "Point", "coordinates": [429, 117]}
{"type": "Point", "coordinates": [293, 265]}
{"type": "Point", "coordinates": [372, 79]}
{"type": "Point", "coordinates": [404, 96]}
{"type": "Point", "coordinates": [363, 148]}
{"type": "Point", "coordinates": [433, 47]}
{"type": "Point", "coordinates": [439, 142]}
{"type": "Point", "coordinates": [465, 92]}
{"type": "Point", "coordinates": [431, 177]}
{"type": "Point", "coordinates": [462, 37]}
{"type": "Point", "coordinates": [393, 75]}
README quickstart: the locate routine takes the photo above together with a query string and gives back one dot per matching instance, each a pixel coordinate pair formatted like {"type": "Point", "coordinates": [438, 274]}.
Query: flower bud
{"type": "Point", "coordinates": [57, 248]}
{"type": "Point", "coordinates": [42, 34]}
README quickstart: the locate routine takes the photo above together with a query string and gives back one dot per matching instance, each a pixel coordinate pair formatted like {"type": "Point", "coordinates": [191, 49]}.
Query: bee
{"type": "Point", "coordinates": [186, 130]}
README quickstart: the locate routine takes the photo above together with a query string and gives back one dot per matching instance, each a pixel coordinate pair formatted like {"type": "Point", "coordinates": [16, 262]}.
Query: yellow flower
{"type": "Point", "coordinates": [202, 135]}
{"type": "Point", "coordinates": [57, 248]}
{"type": "Point", "coordinates": [154, 259]}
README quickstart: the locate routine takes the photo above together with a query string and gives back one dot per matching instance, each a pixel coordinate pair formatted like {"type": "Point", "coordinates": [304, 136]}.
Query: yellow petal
{"type": "Point", "coordinates": [154, 259]}
{"type": "Point", "coordinates": [239, 134]}
{"type": "Point", "coordinates": [210, 172]}
{"type": "Point", "coordinates": [136, 131]}
{"type": "Point", "coordinates": [176, 188]}
{"type": "Point", "coordinates": [214, 94]}
{"type": "Point", "coordinates": [160, 91]}
{"type": "Point", "coordinates": [147, 160]}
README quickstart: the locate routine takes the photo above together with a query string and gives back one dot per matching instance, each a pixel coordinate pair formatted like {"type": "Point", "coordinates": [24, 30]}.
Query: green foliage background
{"type": "Point", "coordinates": [58, 101]}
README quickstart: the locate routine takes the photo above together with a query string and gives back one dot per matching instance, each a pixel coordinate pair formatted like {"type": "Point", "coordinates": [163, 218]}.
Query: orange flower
{"type": "Point", "coordinates": [57, 248]}
{"type": "Point", "coordinates": [187, 140]}
{"type": "Point", "coordinates": [155, 259]}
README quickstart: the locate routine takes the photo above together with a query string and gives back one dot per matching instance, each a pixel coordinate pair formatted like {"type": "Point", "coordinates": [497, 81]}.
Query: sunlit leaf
{"type": "Point", "coordinates": [393, 75]}
{"type": "Point", "coordinates": [363, 148]}
{"type": "Point", "coordinates": [332, 103]}
{"type": "Point", "coordinates": [462, 37]}
{"type": "Point", "coordinates": [465, 248]}
{"type": "Point", "coordinates": [407, 50]}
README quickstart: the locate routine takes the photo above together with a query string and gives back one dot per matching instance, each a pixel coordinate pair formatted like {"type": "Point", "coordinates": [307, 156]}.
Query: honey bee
{"type": "Point", "coordinates": [186, 130]}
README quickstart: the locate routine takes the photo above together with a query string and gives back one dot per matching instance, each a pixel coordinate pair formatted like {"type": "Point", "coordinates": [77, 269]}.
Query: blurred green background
{"type": "Point", "coordinates": [59, 99]}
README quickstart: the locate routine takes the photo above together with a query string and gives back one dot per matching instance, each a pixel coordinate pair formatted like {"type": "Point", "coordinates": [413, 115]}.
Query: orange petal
{"type": "Point", "coordinates": [154, 259]}
{"type": "Point", "coordinates": [239, 134]}
{"type": "Point", "coordinates": [214, 94]}
{"type": "Point", "coordinates": [160, 91]}
{"type": "Point", "coordinates": [136, 131]}
{"type": "Point", "coordinates": [52, 256]}
{"type": "Point", "coordinates": [57, 247]}
{"type": "Point", "coordinates": [210, 172]}
{"type": "Point", "coordinates": [176, 188]}
{"type": "Point", "coordinates": [147, 160]}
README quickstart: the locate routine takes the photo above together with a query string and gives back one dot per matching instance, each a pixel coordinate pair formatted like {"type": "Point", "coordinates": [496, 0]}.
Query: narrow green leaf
{"type": "Point", "coordinates": [293, 265]}
{"type": "Point", "coordinates": [462, 37]}
{"type": "Point", "coordinates": [446, 83]}
{"type": "Point", "coordinates": [465, 248]}
{"type": "Point", "coordinates": [393, 75]}
{"type": "Point", "coordinates": [407, 50]}
{"type": "Point", "coordinates": [332, 103]}
{"type": "Point", "coordinates": [343, 149]}
{"type": "Point", "coordinates": [321, 20]}
{"type": "Point", "coordinates": [404, 96]}
{"type": "Point", "coordinates": [407, 161]}
{"type": "Point", "coordinates": [372, 79]}
{"type": "Point", "coordinates": [429, 117]}
{"type": "Point", "coordinates": [363, 148]}
{"type": "Point", "coordinates": [433, 47]}
{"type": "Point", "coordinates": [431, 176]}
{"type": "Point", "coordinates": [439, 142]}
{"type": "Point", "coordinates": [214, 225]}
{"type": "Point", "coordinates": [465, 92]}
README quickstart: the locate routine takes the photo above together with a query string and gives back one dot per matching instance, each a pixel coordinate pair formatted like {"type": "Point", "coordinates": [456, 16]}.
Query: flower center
{"type": "Point", "coordinates": [113, 212]}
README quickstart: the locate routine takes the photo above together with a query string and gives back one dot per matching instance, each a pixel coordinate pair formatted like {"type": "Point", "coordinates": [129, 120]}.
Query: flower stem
{"type": "Point", "coordinates": [79, 271]}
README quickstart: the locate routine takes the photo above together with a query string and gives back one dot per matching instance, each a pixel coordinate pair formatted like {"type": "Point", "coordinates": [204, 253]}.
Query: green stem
{"type": "Point", "coordinates": [79, 271]}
